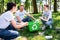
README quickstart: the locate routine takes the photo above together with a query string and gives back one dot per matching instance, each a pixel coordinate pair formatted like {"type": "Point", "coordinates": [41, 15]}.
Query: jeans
{"type": "Point", "coordinates": [9, 33]}
{"type": "Point", "coordinates": [27, 19]}
{"type": "Point", "coordinates": [47, 23]}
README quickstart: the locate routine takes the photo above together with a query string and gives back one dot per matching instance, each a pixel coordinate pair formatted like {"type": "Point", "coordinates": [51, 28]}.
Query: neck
{"type": "Point", "coordinates": [21, 10]}
{"type": "Point", "coordinates": [11, 11]}
{"type": "Point", "coordinates": [46, 10]}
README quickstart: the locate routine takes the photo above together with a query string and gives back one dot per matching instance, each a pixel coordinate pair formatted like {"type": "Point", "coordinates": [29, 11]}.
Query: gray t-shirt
{"type": "Point", "coordinates": [5, 19]}
{"type": "Point", "coordinates": [20, 14]}
{"type": "Point", "coordinates": [47, 14]}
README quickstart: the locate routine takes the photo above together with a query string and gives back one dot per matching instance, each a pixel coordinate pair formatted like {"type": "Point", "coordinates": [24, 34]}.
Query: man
{"type": "Point", "coordinates": [20, 15]}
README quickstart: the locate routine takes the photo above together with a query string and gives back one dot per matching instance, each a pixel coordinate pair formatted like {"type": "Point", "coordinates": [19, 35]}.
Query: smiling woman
{"type": "Point", "coordinates": [8, 29]}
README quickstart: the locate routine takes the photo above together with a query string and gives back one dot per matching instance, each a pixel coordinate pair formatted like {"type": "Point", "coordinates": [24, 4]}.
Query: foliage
{"type": "Point", "coordinates": [35, 36]}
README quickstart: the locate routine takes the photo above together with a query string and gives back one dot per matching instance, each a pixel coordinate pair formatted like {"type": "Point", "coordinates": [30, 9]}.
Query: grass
{"type": "Point", "coordinates": [36, 36]}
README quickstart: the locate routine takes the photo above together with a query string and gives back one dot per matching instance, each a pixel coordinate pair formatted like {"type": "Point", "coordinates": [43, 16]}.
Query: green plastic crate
{"type": "Point", "coordinates": [33, 26]}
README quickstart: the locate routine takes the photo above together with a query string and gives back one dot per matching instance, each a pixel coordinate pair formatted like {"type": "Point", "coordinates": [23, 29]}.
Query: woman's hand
{"type": "Point", "coordinates": [43, 19]}
{"type": "Point", "coordinates": [24, 23]}
{"type": "Point", "coordinates": [19, 25]}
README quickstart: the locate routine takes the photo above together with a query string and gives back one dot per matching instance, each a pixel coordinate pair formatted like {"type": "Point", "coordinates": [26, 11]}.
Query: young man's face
{"type": "Point", "coordinates": [21, 8]}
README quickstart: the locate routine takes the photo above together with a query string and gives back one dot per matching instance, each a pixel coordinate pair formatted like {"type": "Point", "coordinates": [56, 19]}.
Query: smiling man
{"type": "Point", "coordinates": [20, 15]}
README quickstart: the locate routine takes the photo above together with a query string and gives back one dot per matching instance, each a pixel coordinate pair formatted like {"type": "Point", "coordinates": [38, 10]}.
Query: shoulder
{"type": "Point", "coordinates": [6, 13]}
{"type": "Point", "coordinates": [24, 11]}
{"type": "Point", "coordinates": [17, 12]}
{"type": "Point", "coordinates": [50, 11]}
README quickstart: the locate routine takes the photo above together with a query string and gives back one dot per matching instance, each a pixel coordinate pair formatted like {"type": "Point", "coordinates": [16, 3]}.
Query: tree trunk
{"type": "Point", "coordinates": [55, 5]}
{"type": "Point", "coordinates": [35, 6]}
{"type": "Point", "coordinates": [2, 6]}
{"type": "Point", "coordinates": [26, 5]}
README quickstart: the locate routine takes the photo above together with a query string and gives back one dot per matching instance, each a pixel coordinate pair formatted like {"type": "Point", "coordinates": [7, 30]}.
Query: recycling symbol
{"type": "Point", "coordinates": [34, 27]}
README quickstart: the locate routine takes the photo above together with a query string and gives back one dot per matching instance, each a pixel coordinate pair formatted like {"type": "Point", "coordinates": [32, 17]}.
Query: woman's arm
{"type": "Point", "coordinates": [50, 15]}
{"type": "Point", "coordinates": [20, 25]}
{"type": "Point", "coordinates": [43, 19]}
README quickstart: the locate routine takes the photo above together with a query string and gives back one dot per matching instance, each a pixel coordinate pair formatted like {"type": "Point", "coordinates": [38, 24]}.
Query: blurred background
{"type": "Point", "coordinates": [35, 7]}
{"type": "Point", "coordinates": [32, 6]}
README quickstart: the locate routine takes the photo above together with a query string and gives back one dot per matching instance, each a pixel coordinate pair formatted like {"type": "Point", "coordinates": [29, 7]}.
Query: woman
{"type": "Point", "coordinates": [8, 26]}
{"type": "Point", "coordinates": [46, 17]}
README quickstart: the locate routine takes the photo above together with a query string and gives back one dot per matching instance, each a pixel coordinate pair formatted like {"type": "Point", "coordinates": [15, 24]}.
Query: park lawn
{"type": "Point", "coordinates": [36, 36]}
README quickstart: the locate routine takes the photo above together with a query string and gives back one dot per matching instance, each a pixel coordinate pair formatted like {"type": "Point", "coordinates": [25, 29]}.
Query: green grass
{"type": "Point", "coordinates": [53, 32]}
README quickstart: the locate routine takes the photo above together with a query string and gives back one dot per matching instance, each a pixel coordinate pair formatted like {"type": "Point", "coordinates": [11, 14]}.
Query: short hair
{"type": "Point", "coordinates": [22, 5]}
{"type": "Point", "coordinates": [10, 5]}
{"type": "Point", "coordinates": [46, 6]}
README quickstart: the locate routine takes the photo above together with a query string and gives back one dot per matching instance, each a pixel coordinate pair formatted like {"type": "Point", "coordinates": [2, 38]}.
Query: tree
{"type": "Point", "coordinates": [1, 6]}
{"type": "Point", "coordinates": [35, 6]}
{"type": "Point", "coordinates": [55, 5]}
{"type": "Point", "coordinates": [27, 4]}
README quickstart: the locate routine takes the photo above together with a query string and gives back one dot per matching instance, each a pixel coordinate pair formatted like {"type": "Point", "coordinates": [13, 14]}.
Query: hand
{"type": "Point", "coordinates": [24, 23]}
{"type": "Point", "coordinates": [41, 18]}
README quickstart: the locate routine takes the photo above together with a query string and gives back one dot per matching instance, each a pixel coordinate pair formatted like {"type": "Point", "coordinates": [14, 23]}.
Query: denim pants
{"type": "Point", "coordinates": [9, 33]}
{"type": "Point", "coordinates": [48, 23]}
{"type": "Point", "coordinates": [27, 19]}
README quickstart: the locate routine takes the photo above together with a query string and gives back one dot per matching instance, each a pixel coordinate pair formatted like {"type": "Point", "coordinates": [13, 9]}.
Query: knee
{"type": "Point", "coordinates": [15, 35]}
{"type": "Point", "coordinates": [48, 23]}
{"type": "Point", "coordinates": [28, 17]}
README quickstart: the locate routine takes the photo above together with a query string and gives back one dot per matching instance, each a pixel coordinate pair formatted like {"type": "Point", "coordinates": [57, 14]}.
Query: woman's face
{"type": "Point", "coordinates": [14, 8]}
{"type": "Point", "coordinates": [45, 8]}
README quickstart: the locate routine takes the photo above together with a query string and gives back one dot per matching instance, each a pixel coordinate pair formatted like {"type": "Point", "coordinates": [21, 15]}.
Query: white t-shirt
{"type": "Point", "coordinates": [47, 14]}
{"type": "Point", "coordinates": [5, 19]}
{"type": "Point", "coordinates": [20, 14]}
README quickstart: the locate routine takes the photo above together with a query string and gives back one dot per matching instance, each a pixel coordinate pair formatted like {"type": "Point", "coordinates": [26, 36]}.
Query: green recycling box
{"type": "Point", "coordinates": [33, 26]}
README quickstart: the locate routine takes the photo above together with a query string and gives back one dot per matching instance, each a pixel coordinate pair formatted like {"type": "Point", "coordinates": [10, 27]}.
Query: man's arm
{"type": "Point", "coordinates": [30, 16]}
{"type": "Point", "coordinates": [18, 18]}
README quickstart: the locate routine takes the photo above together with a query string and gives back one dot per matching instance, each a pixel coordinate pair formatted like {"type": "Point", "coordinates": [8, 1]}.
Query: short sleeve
{"type": "Point", "coordinates": [17, 13]}
{"type": "Point", "coordinates": [25, 12]}
{"type": "Point", "coordinates": [8, 17]}
{"type": "Point", "coordinates": [50, 14]}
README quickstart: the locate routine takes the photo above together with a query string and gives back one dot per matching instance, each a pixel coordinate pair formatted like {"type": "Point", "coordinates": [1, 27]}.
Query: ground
{"type": "Point", "coordinates": [55, 32]}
